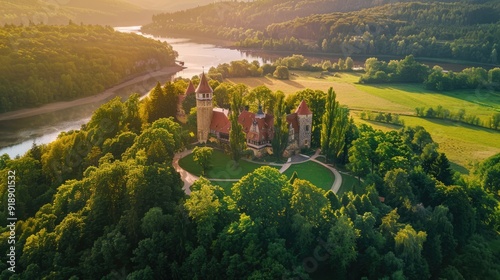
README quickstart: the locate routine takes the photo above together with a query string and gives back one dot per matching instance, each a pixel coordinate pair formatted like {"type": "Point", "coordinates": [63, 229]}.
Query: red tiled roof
{"type": "Point", "coordinates": [204, 87]}
{"type": "Point", "coordinates": [220, 122]}
{"type": "Point", "coordinates": [303, 109]}
{"type": "Point", "coordinates": [190, 89]}
{"type": "Point", "coordinates": [264, 125]}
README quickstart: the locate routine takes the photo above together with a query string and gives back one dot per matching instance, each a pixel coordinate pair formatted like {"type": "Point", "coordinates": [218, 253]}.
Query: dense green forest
{"type": "Point", "coordinates": [464, 30]}
{"type": "Point", "coordinates": [112, 12]}
{"type": "Point", "coordinates": [104, 202]}
{"type": "Point", "coordinates": [40, 64]}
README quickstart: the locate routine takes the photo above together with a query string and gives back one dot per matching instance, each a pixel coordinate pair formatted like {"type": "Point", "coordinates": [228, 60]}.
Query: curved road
{"type": "Point", "coordinates": [189, 178]}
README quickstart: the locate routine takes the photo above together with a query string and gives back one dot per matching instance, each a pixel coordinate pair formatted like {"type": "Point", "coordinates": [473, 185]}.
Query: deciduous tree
{"type": "Point", "coordinates": [203, 156]}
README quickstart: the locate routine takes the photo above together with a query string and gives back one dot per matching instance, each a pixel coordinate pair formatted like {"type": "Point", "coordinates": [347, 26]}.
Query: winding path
{"type": "Point", "coordinates": [189, 178]}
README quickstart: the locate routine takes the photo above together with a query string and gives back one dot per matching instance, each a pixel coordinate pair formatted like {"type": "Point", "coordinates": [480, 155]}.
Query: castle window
{"type": "Point", "coordinates": [307, 128]}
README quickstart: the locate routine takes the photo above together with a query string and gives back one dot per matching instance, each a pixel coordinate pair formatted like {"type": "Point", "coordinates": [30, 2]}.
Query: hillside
{"type": "Point", "coordinates": [464, 30]}
{"type": "Point", "coordinates": [175, 5]}
{"type": "Point", "coordinates": [41, 64]}
{"type": "Point", "coordinates": [110, 12]}
{"type": "Point", "coordinates": [105, 202]}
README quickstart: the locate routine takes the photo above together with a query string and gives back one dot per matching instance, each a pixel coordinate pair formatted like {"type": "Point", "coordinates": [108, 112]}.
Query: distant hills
{"type": "Point", "coordinates": [171, 5]}
{"type": "Point", "coordinates": [107, 12]}
{"type": "Point", "coordinates": [453, 29]}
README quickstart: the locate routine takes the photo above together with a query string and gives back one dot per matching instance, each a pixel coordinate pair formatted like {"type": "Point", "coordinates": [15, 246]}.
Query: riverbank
{"type": "Point", "coordinates": [199, 39]}
{"type": "Point", "coordinates": [57, 106]}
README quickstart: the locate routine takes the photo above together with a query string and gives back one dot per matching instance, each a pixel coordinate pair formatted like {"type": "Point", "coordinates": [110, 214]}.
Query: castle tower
{"type": "Point", "coordinates": [204, 108]}
{"type": "Point", "coordinates": [304, 116]}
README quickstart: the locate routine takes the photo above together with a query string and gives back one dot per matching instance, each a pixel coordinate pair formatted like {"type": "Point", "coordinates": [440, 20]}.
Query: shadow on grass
{"type": "Point", "coordinates": [457, 124]}
{"type": "Point", "coordinates": [293, 84]}
{"type": "Point", "coordinates": [225, 185]}
{"type": "Point", "coordinates": [386, 125]}
{"type": "Point", "coordinates": [459, 168]}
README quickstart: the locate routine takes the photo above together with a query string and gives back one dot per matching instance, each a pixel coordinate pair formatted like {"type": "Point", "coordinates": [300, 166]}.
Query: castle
{"type": "Point", "coordinates": [259, 127]}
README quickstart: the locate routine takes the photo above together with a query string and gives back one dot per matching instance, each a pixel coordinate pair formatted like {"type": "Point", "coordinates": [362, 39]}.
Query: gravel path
{"type": "Point", "coordinates": [189, 178]}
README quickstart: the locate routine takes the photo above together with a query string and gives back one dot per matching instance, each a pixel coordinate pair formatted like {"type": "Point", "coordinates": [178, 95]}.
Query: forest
{"type": "Point", "coordinates": [111, 12]}
{"type": "Point", "coordinates": [458, 30]}
{"type": "Point", "coordinates": [104, 202]}
{"type": "Point", "coordinates": [40, 64]}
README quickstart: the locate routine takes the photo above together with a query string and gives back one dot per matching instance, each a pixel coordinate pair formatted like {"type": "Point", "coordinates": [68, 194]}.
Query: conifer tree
{"type": "Point", "coordinates": [334, 127]}
{"type": "Point", "coordinates": [237, 138]}
{"type": "Point", "coordinates": [280, 140]}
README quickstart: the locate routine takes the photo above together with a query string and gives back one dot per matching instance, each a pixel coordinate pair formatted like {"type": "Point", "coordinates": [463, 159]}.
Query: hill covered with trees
{"type": "Point", "coordinates": [465, 30]}
{"type": "Point", "coordinates": [105, 202]}
{"type": "Point", "coordinates": [40, 64]}
{"type": "Point", "coordinates": [111, 12]}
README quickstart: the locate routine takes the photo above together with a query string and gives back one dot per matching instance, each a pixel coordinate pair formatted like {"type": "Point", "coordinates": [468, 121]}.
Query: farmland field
{"type": "Point", "coordinates": [463, 144]}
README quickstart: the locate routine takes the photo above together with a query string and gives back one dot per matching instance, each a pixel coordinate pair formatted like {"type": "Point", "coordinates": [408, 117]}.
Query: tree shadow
{"type": "Point", "coordinates": [459, 168]}
{"type": "Point", "coordinates": [457, 124]}
{"type": "Point", "coordinates": [293, 84]}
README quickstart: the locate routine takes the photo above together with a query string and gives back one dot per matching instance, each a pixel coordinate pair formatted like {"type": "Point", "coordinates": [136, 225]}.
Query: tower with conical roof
{"type": "Point", "coordinates": [304, 116]}
{"type": "Point", "coordinates": [204, 94]}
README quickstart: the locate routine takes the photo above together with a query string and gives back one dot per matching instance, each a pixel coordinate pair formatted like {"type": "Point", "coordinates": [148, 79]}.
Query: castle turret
{"type": "Point", "coordinates": [304, 116]}
{"type": "Point", "coordinates": [190, 89]}
{"type": "Point", "coordinates": [204, 108]}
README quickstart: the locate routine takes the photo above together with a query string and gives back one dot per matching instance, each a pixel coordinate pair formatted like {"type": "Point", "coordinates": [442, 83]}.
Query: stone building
{"type": "Point", "coordinates": [259, 127]}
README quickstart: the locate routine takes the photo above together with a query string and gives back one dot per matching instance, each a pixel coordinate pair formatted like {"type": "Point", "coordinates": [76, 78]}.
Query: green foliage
{"type": "Point", "coordinates": [160, 103]}
{"type": "Point", "coordinates": [406, 70]}
{"type": "Point", "coordinates": [203, 156]}
{"type": "Point", "coordinates": [335, 123]}
{"type": "Point", "coordinates": [281, 73]}
{"type": "Point", "coordinates": [41, 64]}
{"type": "Point", "coordinates": [105, 12]}
{"type": "Point", "coordinates": [280, 139]}
{"type": "Point", "coordinates": [262, 195]}
{"type": "Point", "coordinates": [360, 27]}
{"type": "Point", "coordinates": [237, 138]}
{"type": "Point", "coordinates": [127, 216]}
{"type": "Point", "coordinates": [488, 174]}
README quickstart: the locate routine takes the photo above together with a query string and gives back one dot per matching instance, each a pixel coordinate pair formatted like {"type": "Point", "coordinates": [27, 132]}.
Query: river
{"type": "Point", "coordinates": [17, 136]}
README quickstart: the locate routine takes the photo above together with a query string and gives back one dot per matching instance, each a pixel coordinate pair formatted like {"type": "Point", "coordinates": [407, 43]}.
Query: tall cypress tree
{"type": "Point", "coordinates": [280, 140]}
{"type": "Point", "coordinates": [334, 127]}
{"type": "Point", "coordinates": [237, 138]}
{"type": "Point", "coordinates": [441, 170]}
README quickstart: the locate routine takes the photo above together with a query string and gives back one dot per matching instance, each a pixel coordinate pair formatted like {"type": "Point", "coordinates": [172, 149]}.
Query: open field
{"type": "Point", "coordinates": [463, 144]}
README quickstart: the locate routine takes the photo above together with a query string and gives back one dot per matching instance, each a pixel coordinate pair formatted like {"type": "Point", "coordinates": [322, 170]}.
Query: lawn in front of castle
{"type": "Point", "coordinates": [223, 166]}
{"type": "Point", "coordinates": [313, 172]}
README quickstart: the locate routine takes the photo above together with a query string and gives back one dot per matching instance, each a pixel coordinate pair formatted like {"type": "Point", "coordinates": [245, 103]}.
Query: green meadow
{"type": "Point", "coordinates": [222, 166]}
{"type": "Point", "coordinates": [313, 172]}
{"type": "Point", "coordinates": [464, 144]}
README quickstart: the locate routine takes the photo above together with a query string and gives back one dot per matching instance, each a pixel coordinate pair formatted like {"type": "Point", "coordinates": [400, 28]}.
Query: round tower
{"type": "Point", "coordinates": [204, 94]}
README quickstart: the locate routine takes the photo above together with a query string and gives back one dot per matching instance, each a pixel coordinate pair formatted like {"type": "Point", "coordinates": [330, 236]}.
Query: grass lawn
{"type": "Point", "coordinates": [349, 183]}
{"type": "Point", "coordinates": [222, 166]}
{"type": "Point", "coordinates": [313, 172]}
{"type": "Point", "coordinates": [463, 144]}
